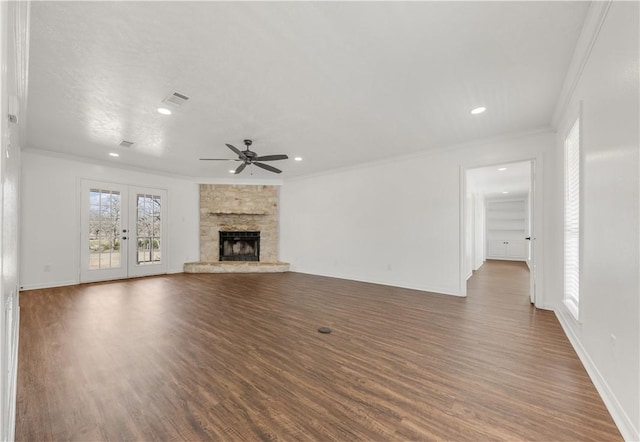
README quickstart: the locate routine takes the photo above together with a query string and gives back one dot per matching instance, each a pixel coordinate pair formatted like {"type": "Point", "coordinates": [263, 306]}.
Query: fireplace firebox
{"type": "Point", "coordinates": [239, 246]}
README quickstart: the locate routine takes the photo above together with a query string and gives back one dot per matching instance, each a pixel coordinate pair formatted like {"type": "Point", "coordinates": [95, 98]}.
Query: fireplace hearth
{"type": "Point", "coordinates": [239, 246]}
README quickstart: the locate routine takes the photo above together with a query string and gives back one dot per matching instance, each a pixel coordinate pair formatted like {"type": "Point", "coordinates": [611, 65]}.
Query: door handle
{"type": "Point", "coordinates": [528, 238]}
{"type": "Point", "coordinates": [124, 237]}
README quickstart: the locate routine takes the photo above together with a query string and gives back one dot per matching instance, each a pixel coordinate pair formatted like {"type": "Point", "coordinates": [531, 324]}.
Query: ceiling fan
{"type": "Point", "coordinates": [249, 157]}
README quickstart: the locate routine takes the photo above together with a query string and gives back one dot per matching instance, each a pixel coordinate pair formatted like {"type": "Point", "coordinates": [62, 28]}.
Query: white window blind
{"type": "Point", "coordinates": [572, 220]}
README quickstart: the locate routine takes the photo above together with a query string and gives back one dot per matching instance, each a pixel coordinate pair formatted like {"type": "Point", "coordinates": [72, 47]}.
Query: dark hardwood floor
{"type": "Point", "coordinates": [238, 357]}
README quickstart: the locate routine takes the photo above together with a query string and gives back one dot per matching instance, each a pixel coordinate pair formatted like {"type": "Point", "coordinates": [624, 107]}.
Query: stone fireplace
{"type": "Point", "coordinates": [233, 218]}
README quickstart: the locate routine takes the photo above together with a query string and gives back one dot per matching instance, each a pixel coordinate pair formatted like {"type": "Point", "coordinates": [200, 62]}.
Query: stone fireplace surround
{"type": "Point", "coordinates": [226, 207]}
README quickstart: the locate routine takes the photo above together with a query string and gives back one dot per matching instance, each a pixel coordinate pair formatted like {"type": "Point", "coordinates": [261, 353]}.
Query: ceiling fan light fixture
{"type": "Point", "coordinates": [113, 154]}
{"type": "Point", "coordinates": [478, 110]}
{"type": "Point", "coordinates": [232, 171]}
{"type": "Point", "coordinates": [297, 159]}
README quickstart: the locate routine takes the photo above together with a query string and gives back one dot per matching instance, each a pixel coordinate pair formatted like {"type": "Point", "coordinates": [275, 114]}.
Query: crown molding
{"type": "Point", "coordinates": [123, 166]}
{"type": "Point", "coordinates": [103, 163]}
{"type": "Point", "coordinates": [596, 16]}
{"type": "Point", "coordinates": [500, 139]}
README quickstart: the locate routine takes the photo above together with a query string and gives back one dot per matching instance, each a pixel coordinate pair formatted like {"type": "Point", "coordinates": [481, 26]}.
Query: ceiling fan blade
{"type": "Point", "coordinates": [237, 151]}
{"type": "Point", "coordinates": [219, 159]}
{"type": "Point", "coordinates": [271, 158]}
{"type": "Point", "coordinates": [267, 167]}
{"type": "Point", "coordinates": [240, 168]}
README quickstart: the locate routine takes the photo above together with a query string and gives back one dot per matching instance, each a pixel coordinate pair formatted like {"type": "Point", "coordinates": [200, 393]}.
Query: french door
{"type": "Point", "coordinates": [122, 231]}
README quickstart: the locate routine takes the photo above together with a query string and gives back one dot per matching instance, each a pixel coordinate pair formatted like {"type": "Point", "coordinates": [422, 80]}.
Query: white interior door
{"type": "Point", "coordinates": [122, 231]}
{"type": "Point", "coordinates": [103, 251]}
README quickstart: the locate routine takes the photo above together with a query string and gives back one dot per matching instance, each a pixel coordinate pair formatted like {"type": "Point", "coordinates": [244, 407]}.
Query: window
{"type": "Point", "coordinates": [104, 229]}
{"type": "Point", "coordinates": [148, 229]}
{"type": "Point", "coordinates": [572, 220]}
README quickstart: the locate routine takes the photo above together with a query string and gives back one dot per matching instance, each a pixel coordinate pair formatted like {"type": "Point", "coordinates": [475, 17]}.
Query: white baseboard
{"type": "Point", "coordinates": [48, 285]}
{"type": "Point", "coordinates": [13, 383]}
{"type": "Point", "coordinates": [438, 290]}
{"type": "Point", "coordinates": [469, 275]}
{"type": "Point", "coordinates": [173, 271]}
{"type": "Point", "coordinates": [621, 419]}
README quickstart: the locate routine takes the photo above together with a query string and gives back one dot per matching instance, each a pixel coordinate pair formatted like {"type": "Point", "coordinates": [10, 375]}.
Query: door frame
{"type": "Point", "coordinates": [130, 189]}
{"type": "Point", "coordinates": [121, 272]}
{"type": "Point", "coordinates": [537, 204]}
{"type": "Point", "coordinates": [133, 269]}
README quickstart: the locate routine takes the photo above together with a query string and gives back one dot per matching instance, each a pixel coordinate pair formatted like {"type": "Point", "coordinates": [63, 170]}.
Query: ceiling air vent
{"type": "Point", "coordinates": [125, 143]}
{"type": "Point", "coordinates": [176, 99]}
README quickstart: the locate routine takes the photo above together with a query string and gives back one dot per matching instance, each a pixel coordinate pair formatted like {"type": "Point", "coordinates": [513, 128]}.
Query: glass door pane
{"type": "Point", "coordinates": [148, 211]}
{"type": "Point", "coordinates": [103, 224]}
{"type": "Point", "coordinates": [148, 220]}
{"type": "Point", "coordinates": [104, 229]}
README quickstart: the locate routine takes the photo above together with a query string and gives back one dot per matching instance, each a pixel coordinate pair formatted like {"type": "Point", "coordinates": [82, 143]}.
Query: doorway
{"type": "Point", "coordinates": [498, 222]}
{"type": "Point", "coordinates": [123, 232]}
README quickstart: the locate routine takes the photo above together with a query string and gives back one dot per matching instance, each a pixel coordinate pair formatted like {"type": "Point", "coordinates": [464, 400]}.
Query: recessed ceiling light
{"type": "Point", "coordinates": [164, 111]}
{"type": "Point", "coordinates": [505, 192]}
{"type": "Point", "coordinates": [232, 171]}
{"type": "Point", "coordinates": [298, 158]}
{"type": "Point", "coordinates": [502, 168]}
{"type": "Point", "coordinates": [113, 154]}
{"type": "Point", "coordinates": [478, 110]}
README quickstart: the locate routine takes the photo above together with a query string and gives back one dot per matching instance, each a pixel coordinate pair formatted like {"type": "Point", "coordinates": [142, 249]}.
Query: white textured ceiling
{"type": "Point", "coordinates": [336, 83]}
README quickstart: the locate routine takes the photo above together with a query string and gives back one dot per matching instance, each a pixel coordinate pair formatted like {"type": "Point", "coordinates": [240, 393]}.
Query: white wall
{"type": "Point", "coordinates": [470, 234]}
{"type": "Point", "coordinates": [14, 53]}
{"type": "Point", "coordinates": [14, 25]}
{"type": "Point", "coordinates": [395, 223]}
{"type": "Point", "coordinates": [474, 256]}
{"type": "Point", "coordinates": [607, 337]}
{"type": "Point", "coordinates": [479, 245]}
{"type": "Point", "coordinates": [51, 216]}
